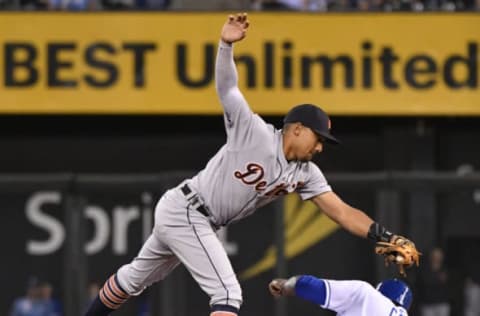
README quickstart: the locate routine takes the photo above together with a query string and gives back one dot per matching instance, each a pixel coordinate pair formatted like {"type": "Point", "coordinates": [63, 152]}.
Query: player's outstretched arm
{"type": "Point", "coordinates": [226, 77]}
{"type": "Point", "coordinates": [396, 249]}
{"type": "Point", "coordinates": [236, 108]}
{"type": "Point", "coordinates": [331, 294]}
{"type": "Point", "coordinates": [351, 219]}
{"type": "Point", "coordinates": [306, 287]}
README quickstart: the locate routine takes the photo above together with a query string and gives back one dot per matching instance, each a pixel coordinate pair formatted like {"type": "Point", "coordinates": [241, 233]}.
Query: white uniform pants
{"type": "Point", "coordinates": [182, 234]}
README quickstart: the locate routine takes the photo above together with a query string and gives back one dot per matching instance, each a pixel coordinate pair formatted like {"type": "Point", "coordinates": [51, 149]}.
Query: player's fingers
{"type": "Point", "coordinates": [239, 17]}
{"type": "Point", "coordinates": [247, 24]}
{"type": "Point", "coordinates": [274, 286]}
{"type": "Point", "coordinates": [244, 16]}
{"type": "Point", "coordinates": [231, 18]}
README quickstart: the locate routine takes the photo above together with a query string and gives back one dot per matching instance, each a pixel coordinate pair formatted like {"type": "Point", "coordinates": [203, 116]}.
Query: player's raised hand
{"type": "Point", "coordinates": [235, 29]}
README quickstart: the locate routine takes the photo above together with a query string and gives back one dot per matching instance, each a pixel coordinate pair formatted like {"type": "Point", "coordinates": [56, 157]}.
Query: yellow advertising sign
{"type": "Point", "coordinates": [136, 63]}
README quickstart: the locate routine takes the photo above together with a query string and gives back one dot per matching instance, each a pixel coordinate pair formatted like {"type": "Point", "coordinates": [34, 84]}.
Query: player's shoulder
{"type": "Point", "coordinates": [364, 286]}
{"type": "Point", "coordinates": [375, 301]}
{"type": "Point", "coordinates": [263, 127]}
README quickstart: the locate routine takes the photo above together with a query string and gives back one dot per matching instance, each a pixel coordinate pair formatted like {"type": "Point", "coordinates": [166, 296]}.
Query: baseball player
{"type": "Point", "coordinates": [391, 297]}
{"type": "Point", "coordinates": [257, 164]}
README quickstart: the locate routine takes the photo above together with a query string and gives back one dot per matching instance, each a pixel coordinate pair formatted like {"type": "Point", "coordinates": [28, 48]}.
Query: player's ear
{"type": "Point", "coordinates": [297, 128]}
{"type": "Point", "coordinates": [293, 128]}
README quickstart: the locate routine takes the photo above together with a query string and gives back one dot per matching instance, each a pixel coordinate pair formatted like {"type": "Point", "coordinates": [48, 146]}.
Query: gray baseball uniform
{"type": "Point", "coordinates": [249, 171]}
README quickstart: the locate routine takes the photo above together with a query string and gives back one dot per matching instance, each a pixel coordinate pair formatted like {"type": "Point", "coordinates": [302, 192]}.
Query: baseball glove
{"type": "Point", "coordinates": [399, 251]}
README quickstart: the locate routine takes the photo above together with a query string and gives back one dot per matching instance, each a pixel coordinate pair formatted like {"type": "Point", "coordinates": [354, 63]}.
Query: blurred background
{"type": "Point", "coordinates": [105, 104]}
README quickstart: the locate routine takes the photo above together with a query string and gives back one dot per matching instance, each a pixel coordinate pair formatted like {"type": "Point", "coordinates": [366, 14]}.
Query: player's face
{"type": "Point", "coordinates": [308, 144]}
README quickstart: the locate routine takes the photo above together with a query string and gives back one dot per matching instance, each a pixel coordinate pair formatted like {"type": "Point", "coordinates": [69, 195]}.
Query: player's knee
{"type": "Point", "coordinates": [131, 283]}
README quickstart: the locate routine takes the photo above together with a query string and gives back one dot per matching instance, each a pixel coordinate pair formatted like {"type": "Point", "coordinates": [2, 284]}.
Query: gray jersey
{"type": "Point", "coordinates": [250, 170]}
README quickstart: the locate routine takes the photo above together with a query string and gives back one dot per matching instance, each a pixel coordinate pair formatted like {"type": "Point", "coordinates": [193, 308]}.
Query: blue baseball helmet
{"type": "Point", "coordinates": [397, 291]}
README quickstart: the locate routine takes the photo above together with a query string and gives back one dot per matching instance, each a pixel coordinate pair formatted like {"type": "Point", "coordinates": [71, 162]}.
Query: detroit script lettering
{"type": "Point", "coordinates": [255, 175]}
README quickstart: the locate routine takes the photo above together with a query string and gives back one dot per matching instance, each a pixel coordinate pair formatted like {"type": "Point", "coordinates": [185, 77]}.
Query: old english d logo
{"type": "Point", "coordinates": [304, 227]}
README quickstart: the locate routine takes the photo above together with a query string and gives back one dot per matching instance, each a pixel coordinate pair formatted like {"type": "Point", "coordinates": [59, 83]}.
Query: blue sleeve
{"type": "Point", "coordinates": [311, 289]}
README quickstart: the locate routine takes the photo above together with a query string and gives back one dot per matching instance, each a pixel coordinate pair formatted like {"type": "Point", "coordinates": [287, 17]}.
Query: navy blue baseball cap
{"type": "Point", "coordinates": [313, 117]}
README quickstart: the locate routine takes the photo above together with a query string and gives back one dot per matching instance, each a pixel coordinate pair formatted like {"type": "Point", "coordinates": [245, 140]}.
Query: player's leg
{"type": "Point", "coordinates": [152, 264]}
{"type": "Point", "coordinates": [109, 298]}
{"type": "Point", "coordinates": [199, 249]}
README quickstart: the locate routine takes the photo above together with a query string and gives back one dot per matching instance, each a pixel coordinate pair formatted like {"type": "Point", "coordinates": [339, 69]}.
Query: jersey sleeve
{"type": "Point", "coordinates": [239, 119]}
{"type": "Point", "coordinates": [315, 183]}
{"type": "Point", "coordinates": [343, 295]}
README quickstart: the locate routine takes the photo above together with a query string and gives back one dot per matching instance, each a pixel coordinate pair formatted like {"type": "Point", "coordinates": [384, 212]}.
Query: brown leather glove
{"type": "Point", "coordinates": [399, 251]}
